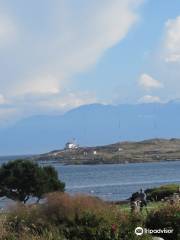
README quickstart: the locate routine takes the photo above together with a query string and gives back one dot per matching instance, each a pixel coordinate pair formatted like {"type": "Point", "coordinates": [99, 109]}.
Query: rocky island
{"type": "Point", "coordinates": [152, 150]}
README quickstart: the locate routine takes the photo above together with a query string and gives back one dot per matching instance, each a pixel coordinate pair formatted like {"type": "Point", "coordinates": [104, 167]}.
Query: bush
{"type": "Point", "coordinates": [157, 194]}
{"type": "Point", "coordinates": [27, 222]}
{"type": "Point", "coordinates": [80, 217]}
{"type": "Point", "coordinates": [65, 217]}
{"type": "Point", "coordinates": [167, 217]}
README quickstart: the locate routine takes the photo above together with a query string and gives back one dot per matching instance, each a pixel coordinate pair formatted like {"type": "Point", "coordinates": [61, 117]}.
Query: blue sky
{"type": "Point", "coordinates": [120, 68]}
{"type": "Point", "coordinates": [56, 55]}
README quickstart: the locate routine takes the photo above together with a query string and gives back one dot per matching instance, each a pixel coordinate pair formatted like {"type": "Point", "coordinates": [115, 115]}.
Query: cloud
{"type": "Point", "coordinates": [73, 41]}
{"type": "Point", "coordinates": [173, 58]}
{"type": "Point", "coordinates": [2, 99]}
{"type": "Point", "coordinates": [149, 99]}
{"type": "Point", "coordinates": [45, 84]}
{"type": "Point", "coordinates": [8, 30]}
{"type": "Point", "coordinates": [172, 40]}
{"type": "Point", "coordinates": [60, 40]}
{"type": "Point", "coordinates": [33, 104]}
{"type": "Point", "coordinates": [147, 82]}
{"type": "Point", "coordinates": [166, 58]}
{"type": "Point", "coordinates": [67, 101]}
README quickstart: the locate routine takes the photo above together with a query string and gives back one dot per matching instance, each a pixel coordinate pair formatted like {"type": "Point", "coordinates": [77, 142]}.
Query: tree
{"type": "Point", "coordinates": [22, 179]}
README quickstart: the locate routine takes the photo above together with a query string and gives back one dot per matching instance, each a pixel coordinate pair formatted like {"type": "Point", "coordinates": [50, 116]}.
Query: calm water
{"type": "Point", "coordinates": [116, 181]}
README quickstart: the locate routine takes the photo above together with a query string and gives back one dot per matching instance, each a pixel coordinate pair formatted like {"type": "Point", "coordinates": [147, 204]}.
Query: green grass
{"type": "Point", "coordinates": [151, 206]}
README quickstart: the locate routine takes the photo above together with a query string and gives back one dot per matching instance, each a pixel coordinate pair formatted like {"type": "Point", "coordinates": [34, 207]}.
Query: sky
{"type": "Point", "coordinates": [56, 55]}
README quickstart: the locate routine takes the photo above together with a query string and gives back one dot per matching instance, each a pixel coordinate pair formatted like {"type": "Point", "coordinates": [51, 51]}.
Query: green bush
{"type": "Point", "coordinates": [167, 217]}
{"type": "Point", "coordinates": [159, 193]}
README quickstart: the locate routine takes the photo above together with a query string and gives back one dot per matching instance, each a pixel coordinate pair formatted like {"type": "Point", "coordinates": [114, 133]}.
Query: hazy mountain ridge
{"type": "Point", "coordinates": [92, 125]}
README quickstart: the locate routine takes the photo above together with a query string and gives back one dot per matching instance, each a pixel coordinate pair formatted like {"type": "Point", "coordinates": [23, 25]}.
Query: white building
{"type": "Point", "coordinates": [94, 152]}
{"type": "Point", "coordinates": [70, 146]}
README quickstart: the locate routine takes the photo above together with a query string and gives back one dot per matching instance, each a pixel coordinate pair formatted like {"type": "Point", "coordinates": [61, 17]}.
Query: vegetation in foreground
{"type": "Point", "coordinates": [162, 192]}
{"type": "Point", "coordinates": [79, 217]}
{"type": "Point", "coordinates": [21, 180]}
{"type": "Point", "coordinates": [65, 217]}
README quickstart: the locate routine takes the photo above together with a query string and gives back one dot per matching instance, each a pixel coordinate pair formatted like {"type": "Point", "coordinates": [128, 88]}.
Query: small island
{"type": "Point", "coordinates": [152, 150]}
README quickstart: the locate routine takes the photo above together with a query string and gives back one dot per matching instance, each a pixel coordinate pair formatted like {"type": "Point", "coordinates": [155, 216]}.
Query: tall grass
{"type": "Point", "coordinates": [65, 217]}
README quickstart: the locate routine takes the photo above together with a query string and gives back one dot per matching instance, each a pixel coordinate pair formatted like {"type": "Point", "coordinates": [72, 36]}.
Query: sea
{"type": "Point", "coordinates": [114, 182]}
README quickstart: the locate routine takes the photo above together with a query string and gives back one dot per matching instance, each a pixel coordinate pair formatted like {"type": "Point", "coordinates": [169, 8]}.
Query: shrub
{"type": "Point", "coordinates": [65, 217]}
{"type": "Point", "coordinates": [80, 217]}
{"type": "Point", "coordinates": [167, 217]}
{"type": "Point", "coordinates": [63, 207]}
{"type": "Point", "coordinates": [27, 222]}
{"type": "Point", "coordinates": [156, 194]}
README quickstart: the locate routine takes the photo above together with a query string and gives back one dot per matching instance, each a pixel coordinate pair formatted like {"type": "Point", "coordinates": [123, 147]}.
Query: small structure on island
{"type": "Point", "coordinates": [71, 145]}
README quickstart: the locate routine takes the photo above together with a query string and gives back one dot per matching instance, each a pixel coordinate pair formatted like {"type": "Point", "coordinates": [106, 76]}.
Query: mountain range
{"type": "Point", "coordinates": [92, 125]}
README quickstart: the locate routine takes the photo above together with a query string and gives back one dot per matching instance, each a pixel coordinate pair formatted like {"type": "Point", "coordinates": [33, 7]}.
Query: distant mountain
{"type": "Point", "coordinates": [92, 125]}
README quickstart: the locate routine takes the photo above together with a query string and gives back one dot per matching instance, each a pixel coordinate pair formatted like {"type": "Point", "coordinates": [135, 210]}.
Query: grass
{"type": "Point", "coordinates": [65, 217]}
{"type": "Point", "coordinates": [151, 206]}
{"type": "Point", "coordinates": [79, 217]}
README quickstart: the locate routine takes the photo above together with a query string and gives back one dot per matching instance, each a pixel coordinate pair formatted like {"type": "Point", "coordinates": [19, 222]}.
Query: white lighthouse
{"type": "Point", "coordinates": [71, 145]}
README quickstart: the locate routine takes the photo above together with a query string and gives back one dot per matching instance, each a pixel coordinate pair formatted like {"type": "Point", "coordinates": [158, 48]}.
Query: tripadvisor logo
{"type": "Point", "coordinates": [140, 231]}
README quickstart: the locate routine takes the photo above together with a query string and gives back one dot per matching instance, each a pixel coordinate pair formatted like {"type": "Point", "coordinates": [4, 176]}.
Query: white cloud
{"type": "Point", "coordinates": [8, 30]}
{"type": "Point", "coordinates": [147, 82]}
{"type": "Point", "coordinates": [172, 40]}
{"type": "Point", "coordinates": [45, 84]}
{"type": "Point", "coordinates": [2, 99]}
{"type": "Point", "coordinates": [165, 61]}
{"type": "Point", "coordinates": [73, 40]}
{"type": "Point", "coordinates": [149, 99]}
{"type": "Point", "coordinates": [60, 41]}
{"type": "Point", "coordinates": [105, 25]}
{"type": "Point", "coordinates": [80, 38]}
{"type": "Point", "coordinates": [31, 104]}
{"type": "Point", "coordinates": [173, 58]}
{"type": "Point", "coordinates": [67, 101]}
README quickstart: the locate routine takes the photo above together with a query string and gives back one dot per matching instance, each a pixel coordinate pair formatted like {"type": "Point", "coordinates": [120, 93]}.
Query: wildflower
{"type": "Point", "coordinates": [113, 228]}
